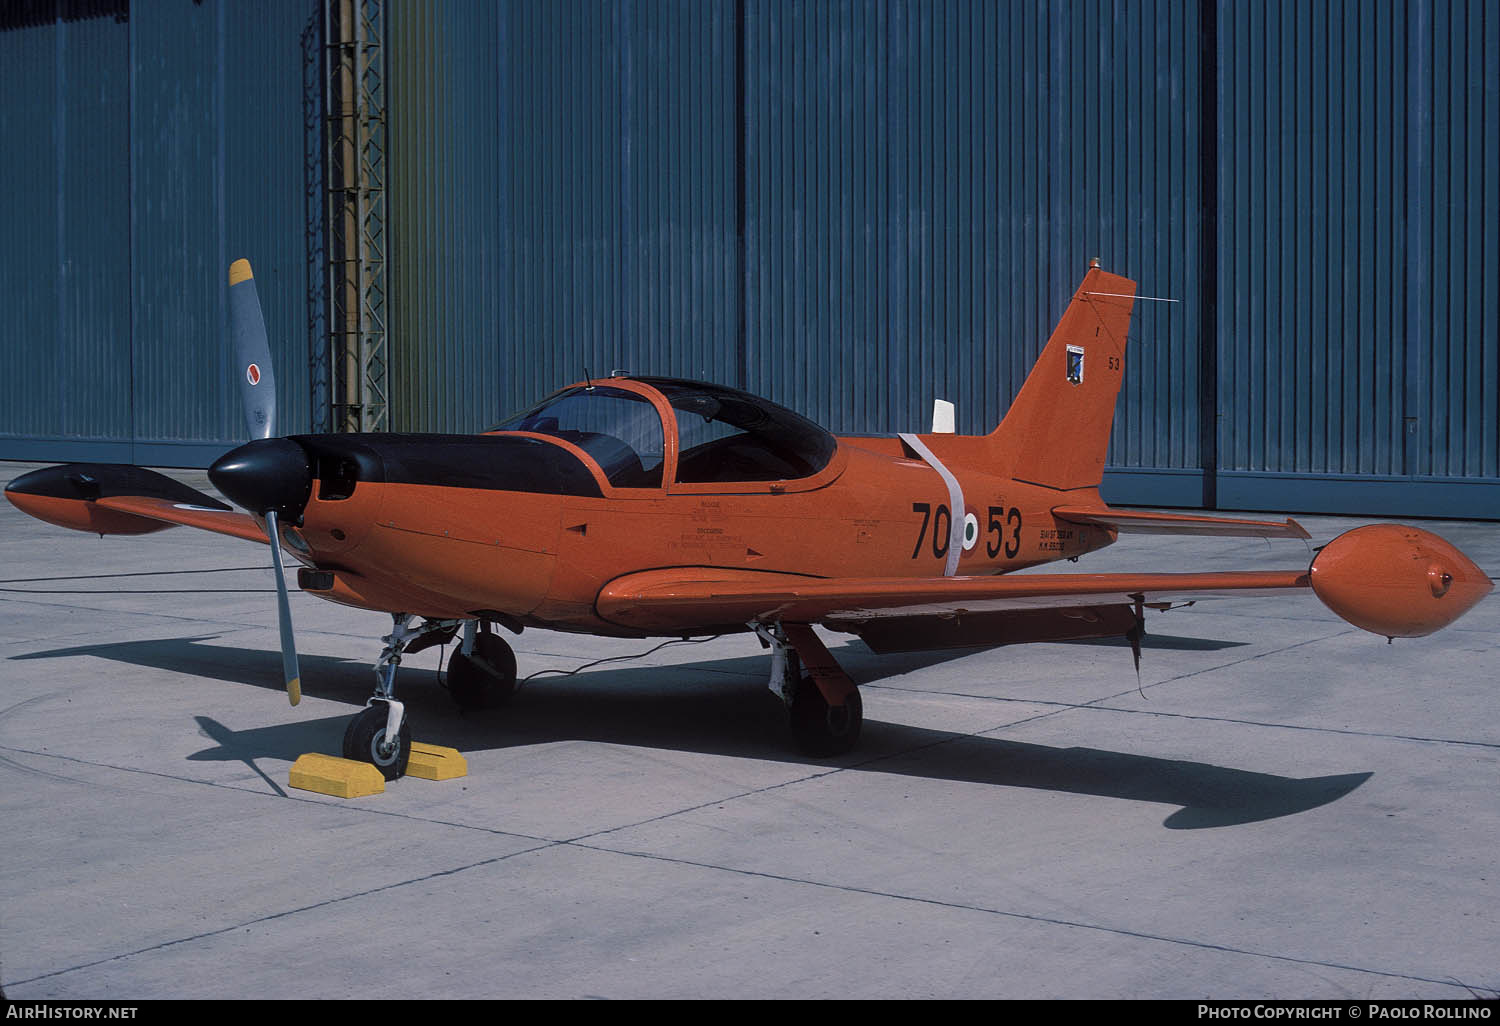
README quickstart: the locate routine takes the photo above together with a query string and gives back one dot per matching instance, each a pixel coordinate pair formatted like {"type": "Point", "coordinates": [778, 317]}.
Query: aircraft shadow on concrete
{"type": "Point", "coordinates": [331, 677]}
{"type": "Point", "coordinates": [716, 707]}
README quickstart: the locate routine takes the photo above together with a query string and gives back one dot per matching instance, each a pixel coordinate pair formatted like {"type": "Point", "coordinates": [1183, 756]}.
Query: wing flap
{"type": "Point", "coordinates": [988, 629]}
{"type": "Point", "coordinates": [1140, 522]}
{"type": "Point", "coordinates": [688, 598]}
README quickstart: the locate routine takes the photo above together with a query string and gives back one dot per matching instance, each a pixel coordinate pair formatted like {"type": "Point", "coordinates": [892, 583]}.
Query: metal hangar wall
{"type": "Point", "coordinates": [146, 146]}
{"type": "Point", "coordinates": [853, 208]}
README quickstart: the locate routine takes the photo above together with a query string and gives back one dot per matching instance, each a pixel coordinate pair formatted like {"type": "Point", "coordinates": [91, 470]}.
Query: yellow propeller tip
{"type": "Point", "coordinates": [239, 271]}
{"type": "Point", "coordinates": [294, 690]}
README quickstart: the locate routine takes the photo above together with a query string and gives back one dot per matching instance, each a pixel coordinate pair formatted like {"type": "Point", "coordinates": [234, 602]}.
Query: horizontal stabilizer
{"type": "Point", "coordinates": [1138, 522]}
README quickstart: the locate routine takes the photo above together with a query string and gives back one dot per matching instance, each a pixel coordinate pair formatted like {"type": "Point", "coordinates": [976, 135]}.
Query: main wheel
{"type": "Point", "coordinates": [365, 735]}
{"type": "Point", "coordinates": [485, 679]}
{"type": "Point", "coordinates": [821, 729]}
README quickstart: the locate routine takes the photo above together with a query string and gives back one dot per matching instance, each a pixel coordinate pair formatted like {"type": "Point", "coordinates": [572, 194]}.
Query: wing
{"type": "Point", "coordinates": [1389, 579]}
{"type": "Point", "coordinates": [896, 614]}
{"type": "Point", "coordinates": [109, 498]}
{"type": "Point", "coordinates": [219, 519]}
{"type": "Point", "coordinates": [667, 599]}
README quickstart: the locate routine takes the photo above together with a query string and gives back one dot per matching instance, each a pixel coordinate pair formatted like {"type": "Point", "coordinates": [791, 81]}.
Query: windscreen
{"type": "Point", "coordinates": [620, 430]}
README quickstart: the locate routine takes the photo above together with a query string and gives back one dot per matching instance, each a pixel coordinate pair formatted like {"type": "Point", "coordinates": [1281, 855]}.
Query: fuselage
{"type": "Point", "coordinates": [531, 521]}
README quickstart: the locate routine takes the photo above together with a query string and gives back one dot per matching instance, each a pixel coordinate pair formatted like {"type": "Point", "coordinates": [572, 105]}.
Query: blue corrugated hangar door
{"type": "Point", "coordinates": [1358, 345]}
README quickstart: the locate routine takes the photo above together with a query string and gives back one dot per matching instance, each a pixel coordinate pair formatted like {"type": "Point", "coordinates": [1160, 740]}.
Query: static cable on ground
{"type": "Point", "coordinates": [611, 659]}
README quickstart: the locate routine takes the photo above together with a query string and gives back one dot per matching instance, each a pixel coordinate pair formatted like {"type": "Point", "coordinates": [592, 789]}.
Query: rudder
{"type": "Point", "coordinates": [1056, 433]}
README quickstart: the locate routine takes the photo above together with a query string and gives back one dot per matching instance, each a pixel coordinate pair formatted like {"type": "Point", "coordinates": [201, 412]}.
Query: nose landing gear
{"type": "Point", "coordinates": [365, 741]}
{"type": "Point", "coordinates": [381, 735]}
{"type": "Point", "coordinates": [481, 675]}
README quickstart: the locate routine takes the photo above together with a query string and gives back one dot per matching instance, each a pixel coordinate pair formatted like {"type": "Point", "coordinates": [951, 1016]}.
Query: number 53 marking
{"type": "Point", "coordinates": [1012, 520]}
{"type": "Point", "coordinates": [1001, 520]}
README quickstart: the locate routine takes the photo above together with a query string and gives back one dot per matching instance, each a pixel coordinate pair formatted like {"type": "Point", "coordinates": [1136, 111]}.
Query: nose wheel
{"type": "Point", "coordinates": [365, 740]}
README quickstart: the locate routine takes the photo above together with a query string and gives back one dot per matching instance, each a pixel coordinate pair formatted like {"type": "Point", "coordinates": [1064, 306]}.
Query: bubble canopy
{"type": "Point", "coordinates": [722, 435]}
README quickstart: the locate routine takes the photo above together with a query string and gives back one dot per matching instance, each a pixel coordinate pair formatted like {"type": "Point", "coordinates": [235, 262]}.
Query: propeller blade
{"type": "Point", "coordinates": [252, 352]}
{"type": "Point", "coordinates": [289, 670]}
{"type": "Point", "coordinates": [263, 476]}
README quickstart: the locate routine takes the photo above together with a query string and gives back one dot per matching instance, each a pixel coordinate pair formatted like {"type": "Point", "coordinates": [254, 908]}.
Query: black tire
{"type": "Point", "coordinates": [822, 730]}
{"type": "Point", "coordinates": [367, 730]}
{"type": "Point", "coordinates": [485, 680]}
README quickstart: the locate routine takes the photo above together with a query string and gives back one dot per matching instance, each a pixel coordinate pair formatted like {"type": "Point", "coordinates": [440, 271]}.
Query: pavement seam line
{"type": "Point", "coordinates": [1031, 917]}
{"type": "Point", "coordinates": [842, 888]}
{"type": "Point", "coordinates": [340, 806]}
{"type": "Point", "coordinates": [344, 807]}
{"type": "Point", "coordinates": [246, 924]}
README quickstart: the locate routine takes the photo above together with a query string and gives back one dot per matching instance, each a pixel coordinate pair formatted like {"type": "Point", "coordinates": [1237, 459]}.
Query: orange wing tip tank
{"type": "Point", "coordinates": [1397, 581]}
{"type": "Point", "coordinates": [80, 515]}
{"type": "Point", "coordinates": [68, 496]}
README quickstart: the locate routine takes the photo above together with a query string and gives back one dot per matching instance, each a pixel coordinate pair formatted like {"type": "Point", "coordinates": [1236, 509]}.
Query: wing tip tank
{"type": "Point", "coordinates": [1397, 581]}
{"type": "Point", "coordinates": [69, 496]}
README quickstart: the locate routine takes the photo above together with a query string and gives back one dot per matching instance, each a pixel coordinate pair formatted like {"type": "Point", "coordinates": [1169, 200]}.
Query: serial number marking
{"type": "Point", "coordinates": [1056, 540]}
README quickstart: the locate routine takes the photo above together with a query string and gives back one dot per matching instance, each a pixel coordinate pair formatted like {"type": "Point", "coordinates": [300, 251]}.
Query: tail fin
{"type": "Point", "coordinates": [1056, 433]}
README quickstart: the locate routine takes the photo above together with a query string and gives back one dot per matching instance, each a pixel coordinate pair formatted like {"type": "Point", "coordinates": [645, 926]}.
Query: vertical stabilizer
{"type": "Point", "coordinates": [1056, 433]}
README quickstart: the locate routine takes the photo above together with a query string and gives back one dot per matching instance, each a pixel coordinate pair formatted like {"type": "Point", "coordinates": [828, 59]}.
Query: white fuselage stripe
{"type": "Point", "coordinates": [956, 509]}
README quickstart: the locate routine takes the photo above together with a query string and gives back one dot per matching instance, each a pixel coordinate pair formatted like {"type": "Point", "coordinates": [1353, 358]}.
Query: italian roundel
{"type": "Point", "coordinates": [252, 374]}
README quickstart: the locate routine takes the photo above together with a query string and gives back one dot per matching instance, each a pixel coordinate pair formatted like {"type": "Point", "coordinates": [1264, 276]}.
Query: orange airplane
{"type": "Point", "coordinates": [640, 506]}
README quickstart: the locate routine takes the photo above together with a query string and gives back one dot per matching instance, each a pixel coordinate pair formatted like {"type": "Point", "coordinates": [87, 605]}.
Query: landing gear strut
{"type": "Point", "coordinates": [824, 704]}
{"type": "Point", "coordinates": [481, 674]}
{"type": "Point", "coordinates": [381, 734]}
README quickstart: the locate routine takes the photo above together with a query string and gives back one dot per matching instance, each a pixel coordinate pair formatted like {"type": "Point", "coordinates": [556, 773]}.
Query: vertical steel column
{"type": "Point", "coordinates": [1208, 249]}
{"type": "Point", "coordinates": [315, 192]}
{"type": "Point", "coordinates": [355, 34]}
{"type": "Point", "coordinates": [741, 198]}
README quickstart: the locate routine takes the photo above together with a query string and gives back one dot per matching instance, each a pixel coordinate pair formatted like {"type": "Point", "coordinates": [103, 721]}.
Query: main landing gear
{"type": "Point", "coordinates": [823, 703]}
{"type": "Point", "coordinates": [481, 674]}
